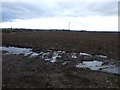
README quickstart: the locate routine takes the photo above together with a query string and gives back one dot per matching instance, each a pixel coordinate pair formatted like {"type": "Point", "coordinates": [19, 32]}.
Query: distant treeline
{"type": "Point", "coordinates": [9, 30]}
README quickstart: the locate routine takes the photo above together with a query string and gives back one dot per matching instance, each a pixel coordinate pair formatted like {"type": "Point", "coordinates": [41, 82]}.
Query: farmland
{"type": "Point", "coordinates": [20, 71]}
{"type": "Point", "coordinates": [90, 42]}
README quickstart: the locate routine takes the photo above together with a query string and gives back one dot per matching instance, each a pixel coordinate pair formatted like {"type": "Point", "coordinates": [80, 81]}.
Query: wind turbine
{"type": "Point", "coordinates": [69, 25]}
{"type": "Point", "coordinates": [11, 26]}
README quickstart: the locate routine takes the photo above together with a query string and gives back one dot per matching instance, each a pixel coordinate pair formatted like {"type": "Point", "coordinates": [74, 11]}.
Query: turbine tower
{"type": "Point", "coordinates": [11, 26]}
{"type": "Point", "coordinates": [69, 25]}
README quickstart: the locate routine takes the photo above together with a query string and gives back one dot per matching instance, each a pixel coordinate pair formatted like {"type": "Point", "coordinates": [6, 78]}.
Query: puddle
{"type": "Point", "coordinates": [98, 64]}
{"type": "Point", "coordinates": [34, 54]}
{"type": "Point", "coordinates": [101, 56]}
{"type": "Point", "coordinates": [74, 55]}
{"type": "Point", "coordinates": [113, 69]}
{"type": "Point", "coordinates": [15, 50]}
{"type": "Point", "coordinates": [84, 54]}
{"type": "Point", "coordinates": [55, 56]}
{"type": "Point", "coordinates": [93, 65]}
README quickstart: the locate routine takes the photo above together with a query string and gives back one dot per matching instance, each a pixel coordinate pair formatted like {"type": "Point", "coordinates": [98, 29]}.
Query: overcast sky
{"type": "Point", "coordinates": [92, 15]}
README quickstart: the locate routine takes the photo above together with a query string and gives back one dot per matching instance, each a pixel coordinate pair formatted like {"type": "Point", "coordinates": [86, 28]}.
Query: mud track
{"type": "Point", "coordinates": [24, 72]}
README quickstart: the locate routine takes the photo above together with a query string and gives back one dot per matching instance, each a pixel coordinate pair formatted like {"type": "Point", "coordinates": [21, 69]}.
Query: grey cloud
{"type": "Point", "coordinates": [84, 9]}
{"type": "Point", "coordinates": [104, 8]}
{"type": "Point", "coordinates": [25, 10]}
{"type": "Point", "coordinates": [11, 11]}
{"type": "Point", "coordinates": [119, 8]}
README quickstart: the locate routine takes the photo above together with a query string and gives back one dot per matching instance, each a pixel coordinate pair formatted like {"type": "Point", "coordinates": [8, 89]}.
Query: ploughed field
{"type": "Point", "coordinates": [89, 42]}
{"type": "Point", "coordinates": [55, 58]}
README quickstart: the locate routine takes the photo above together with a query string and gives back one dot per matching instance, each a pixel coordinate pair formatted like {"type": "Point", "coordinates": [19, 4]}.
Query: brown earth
{"type": "Point", "coordinates": [20, 71]}
{"type": "Point", "coordinates": [25, 72]}
{"type": "Point", "coordinates": [89, 42]}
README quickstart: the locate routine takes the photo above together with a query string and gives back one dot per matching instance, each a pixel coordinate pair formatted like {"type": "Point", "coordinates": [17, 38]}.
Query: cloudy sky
{"type": "Point", "coordinates": [88, 15]}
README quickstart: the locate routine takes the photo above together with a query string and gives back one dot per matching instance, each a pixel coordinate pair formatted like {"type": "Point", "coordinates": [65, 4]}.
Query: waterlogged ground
{"type": "Point", "coordinates": [60, 59]}
{"type": "Point", "coordinates": [103, 43]}
{"type": "Point", "coordinates": [79, 60]}
{"type": "Point", "coordinates": [25, 72]}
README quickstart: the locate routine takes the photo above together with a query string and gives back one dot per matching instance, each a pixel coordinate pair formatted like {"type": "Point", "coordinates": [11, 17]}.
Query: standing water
{"type": "Point", "coordinates": [57, 56]}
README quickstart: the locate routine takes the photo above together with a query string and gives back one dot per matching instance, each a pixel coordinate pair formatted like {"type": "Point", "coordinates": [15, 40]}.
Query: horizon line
{"type": "Point", "coordinates": [62, 29]}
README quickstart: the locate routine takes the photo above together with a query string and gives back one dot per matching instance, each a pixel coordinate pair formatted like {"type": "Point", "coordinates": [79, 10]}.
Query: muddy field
{"type": "Point", "coordinates": [90, 42]}
{"type": "Point", "coordinates": [23, 71]}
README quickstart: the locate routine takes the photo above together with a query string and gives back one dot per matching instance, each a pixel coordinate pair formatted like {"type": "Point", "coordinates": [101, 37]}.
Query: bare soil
{"type": "Point", "coordinates": [25, 72]}
{"type": "Point", "coordinates": [89, 42]}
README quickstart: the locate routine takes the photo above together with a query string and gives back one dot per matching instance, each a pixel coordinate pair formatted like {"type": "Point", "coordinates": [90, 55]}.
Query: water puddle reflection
{"type": "Point", "coordinates": [81, 60]}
